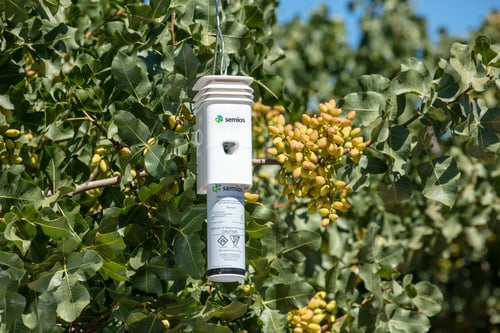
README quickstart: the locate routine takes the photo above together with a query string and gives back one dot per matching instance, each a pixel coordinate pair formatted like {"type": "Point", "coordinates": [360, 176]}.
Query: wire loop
{"type": "Point", "coordinates": [219, 38]}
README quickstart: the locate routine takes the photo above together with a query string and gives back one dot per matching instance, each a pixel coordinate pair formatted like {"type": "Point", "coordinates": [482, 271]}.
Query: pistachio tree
{"type": "Point", "coordinates": [101, 227]}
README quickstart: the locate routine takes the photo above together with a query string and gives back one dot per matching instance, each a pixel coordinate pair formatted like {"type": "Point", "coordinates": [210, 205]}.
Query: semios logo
{"type": "Point", "coordinates": [219, 119]}
{"type": "Point", "coordinates": [216, 188]}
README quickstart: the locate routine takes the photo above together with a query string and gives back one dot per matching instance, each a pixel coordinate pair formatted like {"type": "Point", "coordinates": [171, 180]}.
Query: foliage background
{"type": "Point", "coordinates": [101, 227]}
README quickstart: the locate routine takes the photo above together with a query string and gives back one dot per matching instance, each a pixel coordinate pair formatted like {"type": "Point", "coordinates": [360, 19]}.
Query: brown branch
{"type": "Point", "coordinates": [264, 161]}
{"type": "Point", "coordinates": [93, 184]}
{"type": "Point", "coordinates": [94, 175]}
{"type": "Point", "coordinates": [171, 28]}
{"type": "Point", "coordinates": [411, 120]}
{"type": "Point", "coordinates": [466, 91]}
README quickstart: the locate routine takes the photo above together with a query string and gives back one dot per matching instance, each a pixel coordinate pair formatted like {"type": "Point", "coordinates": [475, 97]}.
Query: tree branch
{"type": "Point", "coordinates": [171, 29]}
{"type": "Point", "coordinates": [93, 184]}
{"type": "Point", "coordinates": [265, 161]}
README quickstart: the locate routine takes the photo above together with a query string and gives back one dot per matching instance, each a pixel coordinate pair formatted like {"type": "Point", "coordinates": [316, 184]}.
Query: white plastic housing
{"type": "Point", "coordinates": [223, 107]}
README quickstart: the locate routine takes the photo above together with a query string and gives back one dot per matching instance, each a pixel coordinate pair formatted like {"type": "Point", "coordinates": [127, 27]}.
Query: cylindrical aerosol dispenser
{"type": "Point", "coordinates": [223, 106]}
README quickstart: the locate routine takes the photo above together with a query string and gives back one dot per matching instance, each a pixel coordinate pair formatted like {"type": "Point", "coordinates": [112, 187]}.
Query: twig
{"type": "Point", "coordinates": [115, 143]}
{"type": "Point", "coordinates": [466, 91]}
{"type": "Point", "coordinates": [264, 161]}
{"type": "Point", "coordinates": [171, 28]}
{"type": "Point", "coordinates": [93, 184]}
{"type": "Point", "coordinates": [118, 13]}
{"type": "Point", "coordinates": [411, 120]}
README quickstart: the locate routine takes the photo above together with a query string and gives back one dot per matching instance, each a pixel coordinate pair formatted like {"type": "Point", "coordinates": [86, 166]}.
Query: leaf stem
{"type": "Point", "coordinates": [465, 92]}
{"type": "Point", "coordinates": [115, 143]}
{"type": "Point", "coordinates": [411, 120]}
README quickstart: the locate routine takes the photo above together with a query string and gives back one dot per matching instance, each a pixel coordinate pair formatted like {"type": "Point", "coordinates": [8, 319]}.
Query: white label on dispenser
{"type": "Point", "coordinates": [226, 230]}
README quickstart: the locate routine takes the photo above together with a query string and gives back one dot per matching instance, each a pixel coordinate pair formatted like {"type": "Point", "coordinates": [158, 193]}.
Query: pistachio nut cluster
{"type": "Point", "coordinates": [316, 317]}
{"type": "Point", "coordinates": [310, 152]}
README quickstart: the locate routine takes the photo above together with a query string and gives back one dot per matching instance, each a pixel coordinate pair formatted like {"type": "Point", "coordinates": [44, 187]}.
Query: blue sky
{"type": "Point", "coordinates": [457, 16]}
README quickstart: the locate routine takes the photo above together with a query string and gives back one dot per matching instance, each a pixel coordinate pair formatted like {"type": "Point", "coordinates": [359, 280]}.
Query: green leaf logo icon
{"type": "Point", "coordinates": [216, 188]}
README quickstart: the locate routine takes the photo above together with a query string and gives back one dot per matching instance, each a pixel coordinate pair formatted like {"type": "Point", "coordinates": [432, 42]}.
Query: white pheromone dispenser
{"type": "Point", "coordinates": [223, 106]}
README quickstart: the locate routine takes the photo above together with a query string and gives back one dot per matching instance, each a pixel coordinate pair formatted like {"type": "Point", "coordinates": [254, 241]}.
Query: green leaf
{"type": "Point", "coordinates": [148, 282]}
{"type": "Point", "coordinates": [150, 324]}
{"type": "Point", "coordinates": [5, 102]}
{"type": "Point", "coordinates": [429, 298]}
{"type": "Point", "coordinates": [160, 266]}
{"type": "Point", "coordinates": [48, 280]}
{"type": "Point", "coordinates": [286, 297]}
{"type": "Point", "coordinates": [386, 258]}
{"type": "Point", "coordinates": [440, 177]}
{"type": "Point", "coordinates": [40, 315]}
{"type": "Point", "coordinates": [256, 230]}
{"type": "Point", "coordinates": [185, 61]}
{"type": "Point", "coordinates": [189, 257]}
{"type": "Point", "coordinates": [368, 105]}
{"type": "Point", "coordinates": [372, 282]}
{"type": "Point", "coordinates": [115, 271]}
{"type": "Point", "coordinates": [396, 189]}
{"type": "Point", "coordinates": [462, 62]}
{"type": "Point", "coordinates": [273, 320]}
{"type": "Point", "coordinates": [17, 191]}
{"type": "Point", "coordinates": [131, 130]}
{"type": "Point", "coordinates": [54, 167]}
{"type": "Point", "coordinates": [374, 82]}
{"type": "Point", "coordinates": [159, 7]}
{"type": "Point", "coordinates": [449, 87]}
{"type": "Point", "coordinates": [130, 73]}
{"type": "Point", "coordinates": [15, 10]}
{"type": "Point", "coordinates": [398, 320]}
{"type": "Point", "coordinates": [58, 228]}
{"type": "Point", "coordinates": [12, 306]}
{"type": "Point", "coordinates": [71, 300]}
{"type": "Point", "coordinates": [20, 230]}
{"type": "Point", "coordinates": [110, 245]}
{"type": "Point", "coordinates": [12, 264]}
{"type": "Point", "coordinates": [482, 45]}
{"type": "Point", "coordinates": [214, 328]}
{"type": "Point", "coordinates": [193, 219]}
{"type": "Point", "coordinates": [230, 312]}
{"type": "Point", "coordinates": [299, 243]}
{"type": "Point", "coordinates": [491, 120]}
{"type": "Point", "coordinates": [235, 35]}
{"type": "Point", "coordinates": [60, 131]}
{"type": "Point", "coordinates": [398, 147]}
{"type": "Point", "coordinates": [410, 82]}
{"type": "Point", "coordinates": [181, 307]}
{"type": "Point", "coordinates": [253, 16]}
{"type": "Point", "coordinates": [389, 257]}
{"type": "Point", "coordinates": [158, 163]}
{"type": "Point", "coordinates": [84, 264]}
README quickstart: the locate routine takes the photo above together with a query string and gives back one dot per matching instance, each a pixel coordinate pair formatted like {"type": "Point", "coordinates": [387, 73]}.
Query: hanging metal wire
{"type": "Point", "coordinates": [219, 39]}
